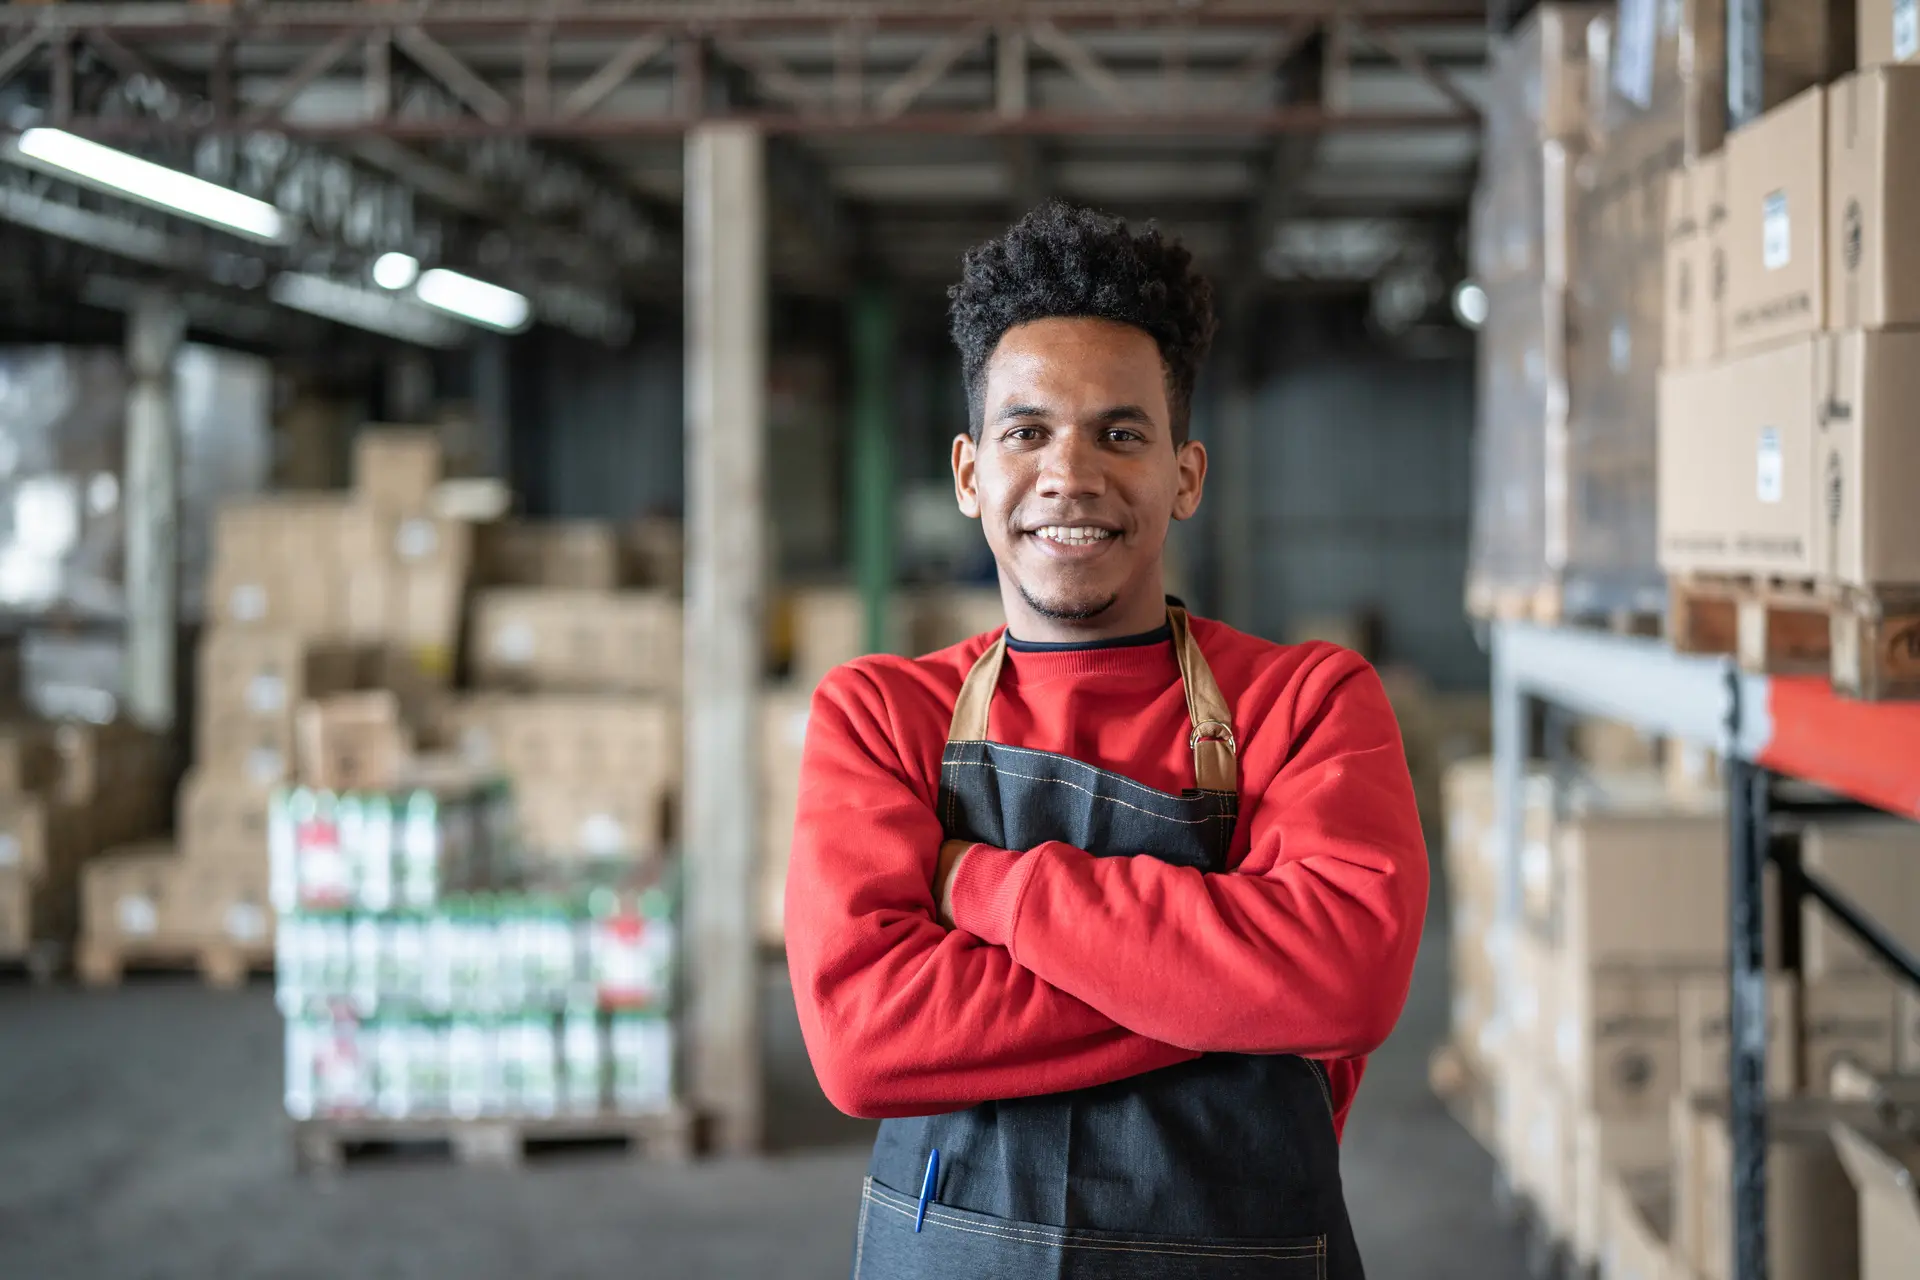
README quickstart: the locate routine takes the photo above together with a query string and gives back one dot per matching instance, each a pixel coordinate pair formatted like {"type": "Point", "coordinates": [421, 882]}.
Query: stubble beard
{"type": "Point", "coordinates": [1066, 610]}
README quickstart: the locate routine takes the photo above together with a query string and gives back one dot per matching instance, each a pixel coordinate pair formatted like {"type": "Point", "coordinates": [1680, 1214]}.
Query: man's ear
{"type": "Point", "coordinates": [965, 492]}
{"type": "Point", "coordinates": [1192, 460]}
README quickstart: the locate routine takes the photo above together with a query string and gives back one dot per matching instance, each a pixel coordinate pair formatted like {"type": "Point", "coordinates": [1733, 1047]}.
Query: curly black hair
{"type": "Point", "coordinates": [1062, 260]}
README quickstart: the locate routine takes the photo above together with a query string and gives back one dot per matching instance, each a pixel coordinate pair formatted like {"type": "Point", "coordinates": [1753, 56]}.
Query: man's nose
{"type": "Point", "coordinates": [1072, 467]}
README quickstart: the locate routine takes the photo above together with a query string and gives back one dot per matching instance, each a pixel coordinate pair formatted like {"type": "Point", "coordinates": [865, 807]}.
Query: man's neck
{"type": "Point", "coordinates": [1131, 615]}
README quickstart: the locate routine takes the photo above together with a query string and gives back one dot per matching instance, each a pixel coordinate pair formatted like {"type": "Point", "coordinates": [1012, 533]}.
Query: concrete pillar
{"type": "Point", "coordinates": [872, 487]}
{"type": "Point", "coordinates": [155, 327]}
{"type": "Point", "coordinates": [726, 344]}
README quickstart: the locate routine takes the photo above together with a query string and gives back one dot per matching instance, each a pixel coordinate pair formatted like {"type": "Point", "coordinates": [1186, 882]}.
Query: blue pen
{"type": "Point", "coordinates": [927, 1185]}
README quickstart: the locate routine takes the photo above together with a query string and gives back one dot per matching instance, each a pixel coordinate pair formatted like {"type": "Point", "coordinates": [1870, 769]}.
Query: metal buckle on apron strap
{"type": "Point", "coordinates": [1213, 731]}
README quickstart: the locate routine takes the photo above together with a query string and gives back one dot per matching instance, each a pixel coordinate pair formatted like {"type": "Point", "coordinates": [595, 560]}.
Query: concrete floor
{"type": "Point", "coordinates": [140, 1137]}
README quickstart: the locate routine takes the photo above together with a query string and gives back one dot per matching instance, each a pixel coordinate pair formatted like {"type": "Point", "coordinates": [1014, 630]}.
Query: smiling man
{"type": "Point", "coordinates": [1102, 913]}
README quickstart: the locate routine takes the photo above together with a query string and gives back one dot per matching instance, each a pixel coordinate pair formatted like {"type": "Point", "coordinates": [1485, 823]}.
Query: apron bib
{"type": "Point", "coordinates": [1216, 1169]}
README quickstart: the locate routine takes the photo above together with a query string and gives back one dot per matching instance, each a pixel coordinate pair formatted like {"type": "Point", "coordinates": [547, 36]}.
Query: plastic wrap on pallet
{"type": "Point", "coordinates": [73, 676]}
{"type": "Point", "coordinates": [63, 457]}
{"type": "Point", "coordinates": [1522, 404]}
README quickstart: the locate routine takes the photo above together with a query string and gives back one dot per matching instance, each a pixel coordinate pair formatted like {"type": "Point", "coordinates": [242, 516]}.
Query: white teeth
{"type": "Point", "coordinates": [1073, 537]}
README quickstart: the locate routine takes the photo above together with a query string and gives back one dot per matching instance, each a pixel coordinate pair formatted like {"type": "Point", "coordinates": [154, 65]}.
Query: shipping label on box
{"type": "Point", "coordinates": [1867, 459]}
{"type": "Point", "coordinates": [1889, 31]}
{"type": "Point", "coordinates": [1776, 225]}
{"type": "Point", "coordinates": [1847, 1020]}
{"type": "Point", "coordinates": [1873, 199]}
{"type": "Point", "coordinates": [1750, 506]}
{"type": "Point", "coordinates": [1705, 1049]}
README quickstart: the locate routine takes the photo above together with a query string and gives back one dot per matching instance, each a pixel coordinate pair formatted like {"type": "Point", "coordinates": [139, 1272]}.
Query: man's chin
{"type": "Point", "coordinates": [1068, 605]}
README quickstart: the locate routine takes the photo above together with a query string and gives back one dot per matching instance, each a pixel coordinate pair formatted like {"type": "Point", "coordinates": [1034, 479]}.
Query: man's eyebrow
{"type": "Point", "coordinates": [1013, 411]}
{"type": "Point", "coordinates": [1123, 413]}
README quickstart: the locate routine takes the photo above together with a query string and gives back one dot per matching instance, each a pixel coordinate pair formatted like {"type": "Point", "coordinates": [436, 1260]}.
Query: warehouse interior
{"type": "Point", "coordinates": [443, 447]}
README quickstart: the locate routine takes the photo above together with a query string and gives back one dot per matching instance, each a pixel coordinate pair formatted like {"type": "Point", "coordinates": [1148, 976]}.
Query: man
{"type": "Point", "coordinates": [1102, 915]}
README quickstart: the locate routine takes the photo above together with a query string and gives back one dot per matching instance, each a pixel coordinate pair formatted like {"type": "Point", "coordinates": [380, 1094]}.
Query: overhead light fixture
{"type": "Point", "coordinates": [474, 300]}
{"type": "Point", "coordinates": [364, 308]}
{"type": "Point", "coordinates": [395, 270]}
{"type": "Point", "coordinates": [1470, 304]}
{"type": "Point", "coordinates": [116, 171]}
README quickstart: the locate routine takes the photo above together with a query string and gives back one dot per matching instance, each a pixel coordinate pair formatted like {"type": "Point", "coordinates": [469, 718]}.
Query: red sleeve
{"type": "Point", "coordinates": [901, 1015]}
{"type": "Point", "coordinates": [1306, 947]}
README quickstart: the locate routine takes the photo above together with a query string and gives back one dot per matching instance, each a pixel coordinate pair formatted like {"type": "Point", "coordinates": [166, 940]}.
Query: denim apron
{"type": "Point", "coordinates": [1225, 1167]}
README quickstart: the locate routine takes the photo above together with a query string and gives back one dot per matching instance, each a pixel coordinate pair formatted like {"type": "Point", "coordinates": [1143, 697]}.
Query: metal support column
{"type": "Point", "coordinates": [870, 482]}
{"type": "Point", "coordinates": [726, 327]}
{"type": "Point", "coordinates": [1746, 34]}
{"type": "Point", "coordinates": [155, 327]}
{"type": "Point", "coordinates": [1748, 821]}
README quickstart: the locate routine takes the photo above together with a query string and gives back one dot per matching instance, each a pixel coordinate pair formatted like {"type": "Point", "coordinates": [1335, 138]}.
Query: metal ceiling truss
{"type": "Point", "coordinates": [630, 68]}
{"type": "Point", "coordinates": [555, 229]}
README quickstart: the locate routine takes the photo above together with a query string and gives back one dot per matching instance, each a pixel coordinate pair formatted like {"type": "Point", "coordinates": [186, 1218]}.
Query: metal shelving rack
{"type": "Point", "coordinates": [1765, 728]}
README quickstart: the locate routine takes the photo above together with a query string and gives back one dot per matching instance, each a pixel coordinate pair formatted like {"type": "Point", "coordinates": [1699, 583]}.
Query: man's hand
{"type": "Point", "coordinates": [952, 854]}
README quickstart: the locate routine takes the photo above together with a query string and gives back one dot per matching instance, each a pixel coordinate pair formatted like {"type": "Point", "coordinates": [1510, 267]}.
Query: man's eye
{"type": "Point", "coordinates": [1123, 436]}
{"type": "Point", "coordinates": [1024, 433]}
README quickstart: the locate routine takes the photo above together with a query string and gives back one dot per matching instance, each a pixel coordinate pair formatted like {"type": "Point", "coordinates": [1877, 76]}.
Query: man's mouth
{"type": "Point", "coordinates": [1068, 535]}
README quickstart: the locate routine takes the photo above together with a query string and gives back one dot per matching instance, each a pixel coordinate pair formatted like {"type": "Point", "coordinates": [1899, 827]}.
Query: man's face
{"type": "Point", "coordinates": [1075, 476]}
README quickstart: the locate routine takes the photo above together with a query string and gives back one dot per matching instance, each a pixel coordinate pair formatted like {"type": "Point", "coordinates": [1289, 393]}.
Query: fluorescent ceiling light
{"type": "Point", "coordinates": [474, 300]}
{"type": "Point", "coordinates": [395, 270]}
{"type": "Point", "coordinates": [154, 184]}
{"type": "Point", "coordinates": [363, 308]}
{"type": "Point", "coordinates": [1470, 304]}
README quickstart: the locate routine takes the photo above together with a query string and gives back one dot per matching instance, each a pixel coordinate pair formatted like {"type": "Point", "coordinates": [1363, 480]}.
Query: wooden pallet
{"type": "Point", "coordinates": [1866, 642]}
{"type": "Point", "coordinates": [334, 1141]}
{"type": "Point", "coordinates": [1546, 605]}
{"type": "Point", "coordinates": [219, 963]}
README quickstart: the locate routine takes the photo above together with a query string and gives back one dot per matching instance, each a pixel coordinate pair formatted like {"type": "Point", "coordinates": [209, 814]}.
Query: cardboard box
{"type": "Point", "coordinates": [131, 895]}
{"type": "Point", "coordinates": [1533, 995]}
{"type": "Point", "coordinates": [1737, 489]}
{"type": "Point", "coordinates": [351, 741]}
{"type": "Point", "coordinates": [1873, 199]}
{"type": "Point", "coordinates": [1875, 864]}
{"type": "Point", "coordinates": [278, 564]}
{"type": "Point", "coordinates": [28, 760]}
{"type": "Point", "coordinates": [1885, 1172]}
{"type": "Point", "coordinates": [222, 817]}
{"type": "Point", "coordinates": [1704, 1046]}
{"type": "Point", "coordinates": [1889, 31]}
{"type": "Point", "coordinates": [1637, 1221]}
{"type": "Point", "coordinates": [1618, 1041]}
{"type": "Point", "coordinates": [1776, 225]}
{"type": "Point", "coordinates": [783, 735]}
{"type": "Point", "coordinates": [1906, 1047]}
{"type": "Point", "coordinates": [1610, 859]}
{"type": "Point", "coordinates": [1845, 1020]}
{"type": "Point", "coordinates": [613, 642]}
{"type": "Point", "coordinates": [35, 910]}
{"type": "Point", "coordinates": [653, 553]}
{"type": "Point", "coordinates": [562, 820]}
{"type": "Point", "coordinates": [1866, 529]}
{"type": "Point", "coordinates": [39, 836]}
{"type": "Point", "coordinates": [261, 751]}
{"type": "Point", "coordinates": [602, 739]}
{"type": "Point", "coordinates": [224, 902]}
{"type": "Point", "coordinates": [949, 615]}
{"type": "Point", "coordinates": [580, 554]}
{"type": "Point", "coordinates": [264, 674]}
{"type": "Point", "coordinates": [1693, 326]}
{"type": "Point", "coordinates": [1812, 1231]}
{"type": "Point", "coordinates": [1635, 1155]}
{"type": "Point", "coordinates": [395, 468]}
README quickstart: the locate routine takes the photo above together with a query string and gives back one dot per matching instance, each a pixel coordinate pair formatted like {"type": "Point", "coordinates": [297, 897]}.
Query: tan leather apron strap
{"type": "Point", "coordinates": [1214, 748]}
{"type": "Point", "coordinates": [976, 694]}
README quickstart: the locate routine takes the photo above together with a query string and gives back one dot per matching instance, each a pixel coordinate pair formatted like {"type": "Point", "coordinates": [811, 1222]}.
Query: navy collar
{"type": "Point", "coordinates": [1161, 634]}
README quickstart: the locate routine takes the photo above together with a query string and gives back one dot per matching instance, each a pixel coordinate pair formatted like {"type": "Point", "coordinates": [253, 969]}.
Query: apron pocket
{"type": "Point", "coordinates": [957, 1243]}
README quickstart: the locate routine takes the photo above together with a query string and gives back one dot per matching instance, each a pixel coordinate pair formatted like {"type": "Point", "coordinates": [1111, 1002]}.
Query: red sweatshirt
{"type": "Point", "coordinates": [1066, 970]}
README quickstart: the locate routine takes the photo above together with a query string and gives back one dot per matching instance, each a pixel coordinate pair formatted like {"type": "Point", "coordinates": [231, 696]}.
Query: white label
{"type": "Point", "coordinates": [266, 694]}
{"type": "Point", "coordinates": [246, 922]}
{"type": "Point", "coordinates": [265, 765]}
{"type": "Point", "coordinates": [9, 850]}
{"type": "Point", "coordinates": [1634, 38]}
{"type": "Point", "coordinates": [601, 834]}
{"type": "Point", "coordinates": [1906, 29]}
{"type": "Point", "coordinates": [1770, 475]}
{"type": "Point", "coordinates": [248, 603]}
{"type": "Point", "coordinates": [1620, 347]}
{"type": "Point", "coordinates": [137, 916]}
{"type": "Point", "coordinates": [1776, 232]}
{"type": "Point", "coordinates": [513, 642]}
{"type": "Point", "coordinates": [416, 539]}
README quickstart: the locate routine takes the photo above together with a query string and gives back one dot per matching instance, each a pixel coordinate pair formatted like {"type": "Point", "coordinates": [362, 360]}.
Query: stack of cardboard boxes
{"type": "Point", "coordinates": [1591, 109]}
{"type": "Point", "coordinates": [1785, 448]}
{"type": "Point", "coordinates": [579, 679]}
{"type": "Point", "coordinates": [66, 791]}
{"type": "Point", "coordinates": [1599, 1028]}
